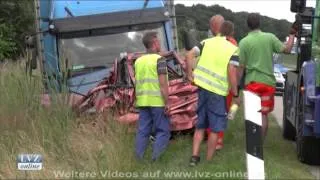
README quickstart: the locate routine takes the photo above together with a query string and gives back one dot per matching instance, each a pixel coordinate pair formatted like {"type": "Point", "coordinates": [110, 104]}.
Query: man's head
{"type": "Point", "coordinates": [253, 21]}
{"type": "Point", "coordinates": [227, 28]}
{"type": "Point", "coordinates": [151, 41]}
{"type": "Point", "coordinates": [215, 23]}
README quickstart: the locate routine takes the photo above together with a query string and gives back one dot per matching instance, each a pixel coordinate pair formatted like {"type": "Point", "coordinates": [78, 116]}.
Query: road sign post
{"type": "Point", "coordinates": [253, 124]}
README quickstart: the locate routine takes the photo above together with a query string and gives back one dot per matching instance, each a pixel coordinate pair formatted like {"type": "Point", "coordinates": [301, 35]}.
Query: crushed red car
{"type": "Point", "coordinates": [116, 94]}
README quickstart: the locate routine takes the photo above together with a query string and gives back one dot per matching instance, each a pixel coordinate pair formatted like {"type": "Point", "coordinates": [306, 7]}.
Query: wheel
{"type": "Point", "coordinates": [308, 147]}
{"type": "Point", "coordinates": [288, 130]}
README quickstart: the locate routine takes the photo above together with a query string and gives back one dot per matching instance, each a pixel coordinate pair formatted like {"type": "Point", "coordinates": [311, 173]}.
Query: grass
{"type": "Point", "coordinates": [280, 155]}
{"type": "Point", "coordinates": [73, 147]}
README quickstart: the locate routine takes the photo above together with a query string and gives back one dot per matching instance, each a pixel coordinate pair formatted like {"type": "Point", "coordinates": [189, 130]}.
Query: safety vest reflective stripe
{"type": "Point", "coordinates": [214, 75]}
{"type": "Point", "coordinates": [149, 93]}
{"type": "Point", "coordinates": [211, 83]}
{"type": "Point", "coordinates": [147, 80]}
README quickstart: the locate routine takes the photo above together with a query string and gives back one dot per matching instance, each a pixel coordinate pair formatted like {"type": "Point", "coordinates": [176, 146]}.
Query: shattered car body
{"type": "Point", "coordinates": [116, 94]}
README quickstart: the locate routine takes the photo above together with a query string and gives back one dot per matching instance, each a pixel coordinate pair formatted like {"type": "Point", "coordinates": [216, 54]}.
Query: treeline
{"type": "Point", "coordinates": [197, 16]}
{"type": "Point", "coordinates": [16, 21]}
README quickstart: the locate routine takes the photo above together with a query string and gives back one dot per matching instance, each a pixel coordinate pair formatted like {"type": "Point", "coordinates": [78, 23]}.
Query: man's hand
{"type": "Point", "coordinates": [294, 28]}
{"type": "Point", "coordinates": [293, 32]}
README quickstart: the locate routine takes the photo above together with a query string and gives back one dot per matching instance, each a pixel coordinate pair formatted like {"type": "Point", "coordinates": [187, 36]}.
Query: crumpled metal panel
{"type": "Point", "coordinates": [117, 94]}
{"type": "Point", "coordinates": [183, 101]}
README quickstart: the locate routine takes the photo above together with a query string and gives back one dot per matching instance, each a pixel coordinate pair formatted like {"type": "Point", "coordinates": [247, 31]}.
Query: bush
{"type": "Point", "coordinates": [16, 21]}
{"type": "Point", "coordinates": [8, 47]}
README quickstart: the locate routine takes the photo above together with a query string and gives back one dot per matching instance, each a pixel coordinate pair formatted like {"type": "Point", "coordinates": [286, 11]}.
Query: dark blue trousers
{"type": "Point", "coordinates": [152, 118]}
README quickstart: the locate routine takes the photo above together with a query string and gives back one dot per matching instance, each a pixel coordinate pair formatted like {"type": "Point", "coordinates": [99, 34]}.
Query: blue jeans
{"type": "Point", "coordinates": [212, 111]}
{"type": "Point", "coordinates": [152, 118]}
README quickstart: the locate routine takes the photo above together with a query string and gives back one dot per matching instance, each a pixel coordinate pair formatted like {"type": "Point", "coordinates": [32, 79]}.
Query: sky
{"type": "Point", "coordinates": [278, 9]}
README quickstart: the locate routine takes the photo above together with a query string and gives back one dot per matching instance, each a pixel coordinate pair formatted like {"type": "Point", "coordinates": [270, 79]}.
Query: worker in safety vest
{"type": "Point", "coordinates": [213, 75]}
{"type": "Point", "coordinates": [228, 31]}
{"type": "Point", "coordinates": [215, 24]}
{"type": "Point", "coordinates": [256, 51]}
{"type": "Point", "coordinates": [151, 89]}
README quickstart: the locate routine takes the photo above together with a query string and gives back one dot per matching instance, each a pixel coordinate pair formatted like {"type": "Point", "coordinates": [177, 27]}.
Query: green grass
{"type": "Point", "coordinates": [70, 143]}
{"type": "Point", "coordinates": [280, 155]}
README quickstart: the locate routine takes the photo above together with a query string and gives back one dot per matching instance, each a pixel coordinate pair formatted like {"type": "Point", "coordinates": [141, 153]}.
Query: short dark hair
{"type": "Point", "coordinates": [253, 21]}
{"type": "Point", "coordinates": [227, 28]}
{"type": "Point", "coordinates": [148, 38]}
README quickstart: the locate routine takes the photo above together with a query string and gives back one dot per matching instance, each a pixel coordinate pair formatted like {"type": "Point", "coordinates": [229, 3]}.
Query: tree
{"type": "Point", "coordinates": [201, 14]}
{"type": "Point", "coordinates": [16, 21]}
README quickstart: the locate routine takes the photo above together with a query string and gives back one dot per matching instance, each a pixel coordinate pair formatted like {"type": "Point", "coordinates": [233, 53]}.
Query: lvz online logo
{"type": "Point", "coordinates": [29, 162]}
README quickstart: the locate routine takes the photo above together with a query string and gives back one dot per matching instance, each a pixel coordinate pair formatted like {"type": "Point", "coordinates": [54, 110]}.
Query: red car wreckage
{"type": "Point", "coordinates": [117, 94]}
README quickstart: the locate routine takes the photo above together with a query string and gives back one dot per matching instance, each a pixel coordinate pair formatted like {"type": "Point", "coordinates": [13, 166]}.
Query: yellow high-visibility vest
{"type": "Point", "coordinates": [211, 72]}
{"type": "Point", "coordinates": [147, 86]}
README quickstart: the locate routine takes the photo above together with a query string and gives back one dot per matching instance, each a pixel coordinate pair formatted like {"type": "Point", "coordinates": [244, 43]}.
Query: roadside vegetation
{"type": "Point", "coordinates": [99, 144]}
{"type": "Point", "coordinates": [16, 21]}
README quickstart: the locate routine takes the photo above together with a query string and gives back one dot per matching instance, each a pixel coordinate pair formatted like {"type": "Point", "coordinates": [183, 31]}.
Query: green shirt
{"type": "Point", "coordinates": [256, 51]}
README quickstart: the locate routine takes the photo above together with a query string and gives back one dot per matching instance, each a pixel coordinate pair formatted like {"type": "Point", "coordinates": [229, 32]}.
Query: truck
{"type": "Point", "coordinates": [88, 35]}
{"type": "Point", "coordinates": [87, 48]}
{"type": "Point", "coordinates": [301, 99]}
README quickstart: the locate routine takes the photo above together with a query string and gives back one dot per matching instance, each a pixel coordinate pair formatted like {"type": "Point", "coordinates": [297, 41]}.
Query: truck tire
{"type": "Point", "coordinates": [288, 130]}
{"type": "Point", "coordinates": [308, 148]}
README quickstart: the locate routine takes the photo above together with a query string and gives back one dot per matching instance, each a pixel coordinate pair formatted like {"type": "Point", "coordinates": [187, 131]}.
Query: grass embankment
{"type": "Point", "coordinates": [71, 147]}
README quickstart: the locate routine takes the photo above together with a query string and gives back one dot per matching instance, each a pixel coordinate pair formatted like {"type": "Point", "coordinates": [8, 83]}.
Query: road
{"type": "Point", "coordinates": [315, 170]}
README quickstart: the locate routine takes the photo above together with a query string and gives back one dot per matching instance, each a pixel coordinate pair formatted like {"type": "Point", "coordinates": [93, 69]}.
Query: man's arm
{"type": "Point", "coordinates": [239, 57]}
{"type": "Point", "coordinates": [279, 47]}
{"type": "Point", "coordinates": [240, 72]}
{"type": "Point", "coordinates": [164, 88]}
{"type": "Point", "coordinates": [232, 77]}
{"type": "Point", "coordinates": [163, 81]}
{"type": "Point", "coordinates": [288, 46]}
{"type": "Point", "coordinates": [242, 61]}
{"type": "Point", "coordinates": [233, 73]}
{"type": "Point", "coordinates": [190, 58]}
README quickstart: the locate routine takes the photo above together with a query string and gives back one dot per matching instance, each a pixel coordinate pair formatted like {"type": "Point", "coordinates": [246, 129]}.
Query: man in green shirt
{"type": "Point", "coordinates": [256, 51]}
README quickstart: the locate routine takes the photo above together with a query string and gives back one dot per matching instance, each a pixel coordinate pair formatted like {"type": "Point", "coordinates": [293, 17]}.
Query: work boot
{"type": "Point", "coordinates": [194, 161]}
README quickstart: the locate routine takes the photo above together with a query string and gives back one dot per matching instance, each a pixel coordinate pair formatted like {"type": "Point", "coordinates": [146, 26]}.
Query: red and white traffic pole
{"type": "Point", "coordinates": [253, 124]}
